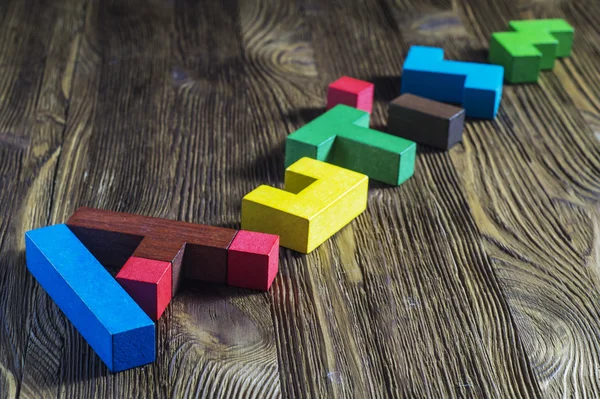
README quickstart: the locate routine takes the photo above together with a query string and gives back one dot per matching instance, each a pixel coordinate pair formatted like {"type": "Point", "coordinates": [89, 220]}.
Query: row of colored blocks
{"type": "Point", "coordinates": [152, 255]}
{"type": "Point", "coordinates": [68, 260]}
{"type": "Point", "coordinates": [330, 159]}
{"type": "Point", "coordinates": [318, 199]}
{"type": "Point", "coordinates": [533, 45]}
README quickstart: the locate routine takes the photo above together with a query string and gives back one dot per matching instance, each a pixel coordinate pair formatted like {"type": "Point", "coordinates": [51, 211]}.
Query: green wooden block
{"type": "Point", "coordinates": [534, 45]}
{"type": "Point", "coordinates": [559, 28]}
{"type": "Point", "coordinates": [342, 137]}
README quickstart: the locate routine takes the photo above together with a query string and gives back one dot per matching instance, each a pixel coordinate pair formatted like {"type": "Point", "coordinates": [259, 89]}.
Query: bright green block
{"type": "Point", "coordinates": [533, 46]}
{"type": "Point", "coordinates": [559, 28]}
{"type": "Point", "coordinates": [342, 137]}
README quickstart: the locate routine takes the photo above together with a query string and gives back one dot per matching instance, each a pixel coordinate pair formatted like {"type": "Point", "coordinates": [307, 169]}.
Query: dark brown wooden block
{"type": "Point", "coordinates": [112, 237]}
{"type": "Point", "coordinates": [426, 121]}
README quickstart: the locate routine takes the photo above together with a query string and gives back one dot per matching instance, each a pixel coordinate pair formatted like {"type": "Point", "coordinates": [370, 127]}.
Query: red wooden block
{"type": "Point", "coordinates": [253, 260]}
{"type": "Point", "coordinates": [352, 92]}
{"type": "Point", "coordinates": [149, 283]}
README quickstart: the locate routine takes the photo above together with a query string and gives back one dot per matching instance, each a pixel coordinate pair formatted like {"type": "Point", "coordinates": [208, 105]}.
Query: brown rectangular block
{"type": "Point", "coordinates": [426, 121]}
{"type": "Point", "coordinates": [199, 251]}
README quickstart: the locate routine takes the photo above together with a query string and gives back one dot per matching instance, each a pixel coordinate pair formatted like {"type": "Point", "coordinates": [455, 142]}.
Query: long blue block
{"type": "Point", "coordinates": [478, 87]}
{"type": "Point", "coordinates": [105, 315]}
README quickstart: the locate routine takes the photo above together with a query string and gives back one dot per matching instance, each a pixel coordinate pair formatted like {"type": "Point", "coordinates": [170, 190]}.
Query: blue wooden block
{"type": "Point", "coordinates": [478, 87]}
{"type": "Point", "coordinates": [105, 315]}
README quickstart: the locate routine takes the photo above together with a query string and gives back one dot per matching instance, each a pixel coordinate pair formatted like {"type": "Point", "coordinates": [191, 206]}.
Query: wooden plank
{"type": "Point", "coordinates": [13, 296]}
{"type": "Point", "coordinates": [36, 64]}
{"type": "Point", "coordinates": [550, 187]}
{"type": "Point", "coordinates": [179, 109]}
{"type": "Point", "coordinates": [447, 279]}
{"type": "Point", "coordinates": [321, 289]}
{"type": "Point", "coordinates": [149, 86]}
{"type": "Point", "coordinates": [314, 353]}
{"type": "Point", "coordinates": [234, 354]}
{"type": "Point", "coordinates": [578, 74]}
{"type": "Point", "coordinates": [103, 119]}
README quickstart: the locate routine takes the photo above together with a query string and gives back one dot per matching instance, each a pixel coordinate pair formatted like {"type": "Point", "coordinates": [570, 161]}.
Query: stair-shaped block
{"type": "Point", "coordinates": [531, 46]}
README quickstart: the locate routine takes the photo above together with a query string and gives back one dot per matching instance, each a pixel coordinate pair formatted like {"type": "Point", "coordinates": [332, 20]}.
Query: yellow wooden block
{"type": "Point", "coordinates": [317, 201]}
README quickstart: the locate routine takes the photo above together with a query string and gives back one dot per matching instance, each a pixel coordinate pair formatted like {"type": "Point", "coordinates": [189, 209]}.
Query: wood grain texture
{"type": "Point", "coordinates": [478, 277]}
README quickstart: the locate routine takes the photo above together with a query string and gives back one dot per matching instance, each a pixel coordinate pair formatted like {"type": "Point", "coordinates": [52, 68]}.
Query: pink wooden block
{"type": "Point", "coordinates": [149, 283]}
{"type": "Point", "coordinates": [253, 260]}
{"type": "Point", "coordinates": [352, 92]}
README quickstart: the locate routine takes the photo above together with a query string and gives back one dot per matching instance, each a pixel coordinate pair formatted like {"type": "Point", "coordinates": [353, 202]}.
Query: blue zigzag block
{"type": "Point", "coordinates": [105, 315]}
{"type": "Point", "coordinates": [478, 87]}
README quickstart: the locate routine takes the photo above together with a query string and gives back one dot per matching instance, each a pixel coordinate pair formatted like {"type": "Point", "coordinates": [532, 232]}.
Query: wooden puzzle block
{"type": "Point", "coordinates": [341, 136]}
{"type": "Point", "coordinates": [352, 92]}
{"type": "Point", "coordinates": [478, 87]}
{"type": "Point", "coordinates": [199, 250]}
{"type": "Point", "coordinates": [149, 283]}
{"type": "Point", "coordinates": [533, 45]}
{"type": "Point", "coordinates": [105, 315]}
{"type": "Point", "coordinates": [253, 260]}
{"type": "Point", "coordinates": [317, 201]}
{"type": "Point", "coordinates": [426, 121]}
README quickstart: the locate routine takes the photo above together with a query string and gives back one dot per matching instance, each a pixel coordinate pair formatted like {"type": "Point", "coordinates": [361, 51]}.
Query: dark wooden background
{"type": "Point", "coordinates": [479, 277]}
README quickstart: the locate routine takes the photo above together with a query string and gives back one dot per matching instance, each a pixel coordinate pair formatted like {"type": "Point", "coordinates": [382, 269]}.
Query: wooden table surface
{"type": "Point", "coordinates": [479, 277]}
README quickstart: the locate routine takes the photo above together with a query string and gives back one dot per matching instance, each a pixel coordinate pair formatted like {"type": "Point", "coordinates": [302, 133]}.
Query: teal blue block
{"type": "Point", "coordinates": [477, 87]}
{"type": "Point", "coordinates": [341, 136]}
{"type": "Point", "coordinates": [110, 321]}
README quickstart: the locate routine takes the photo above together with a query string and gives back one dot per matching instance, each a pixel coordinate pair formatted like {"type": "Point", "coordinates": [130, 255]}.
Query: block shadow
{"type": "Point", "coordinates": [202, 290]}
{"type": "Point", "coordinates": [304, 115]}
{"type": "Point", "coordinates": [386, 87]}
{"type": "Point", "coordinates": [479, 55]}
{"type": "Point", "coordinates": [268, 168]}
